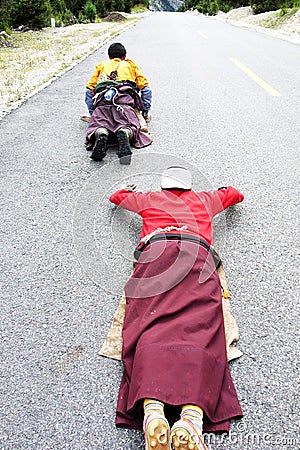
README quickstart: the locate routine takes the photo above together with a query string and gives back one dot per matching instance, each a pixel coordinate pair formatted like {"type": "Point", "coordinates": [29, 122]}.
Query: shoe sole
{"type": "Point", "coordinates": [99, 151]}
{"type": "Point", "coordinates": [124, 153]}
{"type": "Point", "coordinates": [157, 435]}
{"type": "Point", "coordinates": [85, 119]}
{"type": "Point", "coordinates": [185, 438]}
{"type": "Point", "coordinates": [125, 160]}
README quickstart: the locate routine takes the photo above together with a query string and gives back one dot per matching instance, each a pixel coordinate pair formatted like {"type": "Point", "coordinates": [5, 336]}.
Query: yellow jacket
{"type": "Point", "coordinates": [126, 69]}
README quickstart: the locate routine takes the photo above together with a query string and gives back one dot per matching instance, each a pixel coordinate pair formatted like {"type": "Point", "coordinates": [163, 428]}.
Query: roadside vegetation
{"type": "Point", "coordinates": [212, 7]}
{"type": "Point", "coordinates": [37, 14]}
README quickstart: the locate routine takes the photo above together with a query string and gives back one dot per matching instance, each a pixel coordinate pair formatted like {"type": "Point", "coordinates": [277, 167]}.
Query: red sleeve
{"type": "Point", "coordinates": [132, 201]}
{"type": "Point", "coordinates": [225, 197]}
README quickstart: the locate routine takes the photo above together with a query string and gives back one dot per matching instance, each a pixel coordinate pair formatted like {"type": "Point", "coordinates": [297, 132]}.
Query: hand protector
{"type": "Point", "coordinates": [129, 187]}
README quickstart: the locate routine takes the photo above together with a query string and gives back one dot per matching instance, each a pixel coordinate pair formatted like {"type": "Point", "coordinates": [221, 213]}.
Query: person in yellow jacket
{"type": "Point", "coordinates": [119, 68]}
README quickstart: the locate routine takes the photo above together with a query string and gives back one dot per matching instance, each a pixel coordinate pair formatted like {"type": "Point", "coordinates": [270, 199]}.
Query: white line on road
{"type": "Point", "coordinates": [202, 34]}
{"type": "Point", "coordinates": [269, 89]}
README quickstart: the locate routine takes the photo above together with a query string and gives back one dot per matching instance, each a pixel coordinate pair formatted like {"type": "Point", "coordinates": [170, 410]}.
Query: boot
{"type": "Point", "coordinates": [124, 151]}
{"type": "Point", "coordinates": [146, 115]}
{"type": "Point", "coordinates": [100, 147]}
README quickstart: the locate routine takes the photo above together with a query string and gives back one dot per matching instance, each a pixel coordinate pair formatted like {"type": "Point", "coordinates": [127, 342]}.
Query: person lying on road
{"type": "Point", "coordinates": [176, 380]}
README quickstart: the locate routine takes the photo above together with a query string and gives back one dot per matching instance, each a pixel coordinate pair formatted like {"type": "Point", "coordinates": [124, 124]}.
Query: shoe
{"type": "Point", "coordinates": [85, 118]}
{"type": "Point", "coordinates": [156, 432]}
{"type": "Point", "coordinates": [147, 116]}
{"type": "Point", "coordinates": [184, 436]}
{"type": "Point", "coordinates": [100, 147]}
{"type": "Point", "coordinates": [125, 160]}
{"type": "Point", "coordinates": [124, 152]}
{"type": "Point", "coordinates": [142, 121]}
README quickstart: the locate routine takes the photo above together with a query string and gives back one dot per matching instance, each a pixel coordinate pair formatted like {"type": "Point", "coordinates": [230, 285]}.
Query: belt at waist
{"type": "Point", "coordinates": [179, 237]}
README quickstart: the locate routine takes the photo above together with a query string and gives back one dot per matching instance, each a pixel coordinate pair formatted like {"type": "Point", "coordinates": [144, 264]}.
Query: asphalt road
{"type": "Point", "coordinates": [66, 252]}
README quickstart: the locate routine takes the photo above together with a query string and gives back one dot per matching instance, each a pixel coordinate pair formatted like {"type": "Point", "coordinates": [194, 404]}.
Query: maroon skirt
{"type": "Point", "coordinates": [173, 337]}
{"type": "Point", "coordinates": [112, 119]}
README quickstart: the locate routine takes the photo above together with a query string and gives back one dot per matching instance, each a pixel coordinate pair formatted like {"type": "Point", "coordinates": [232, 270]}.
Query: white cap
{"type": "Point", "coordinates": [176, 177]}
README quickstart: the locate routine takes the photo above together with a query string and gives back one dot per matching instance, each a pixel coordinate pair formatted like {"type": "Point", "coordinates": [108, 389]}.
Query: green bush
{"type": "Point", "coordinates": [227, 5]}
{"type": "Point", "coordinates": [128, 6]}
{"type": "Point", "coordinates": [212, 6]}
{"type": "Point", "coordinates": [75, 6]}
{"type": "Point", "coordinates": [82, 18]}
{"type": "Point", "coordinates": [119, 5]}
{"type": "Point", "coordinates": [37, 13]}
{"type": "Point", "coordinates": [5, 15]}
{"type": "Point", "coordinates": [207, 7]}
{"type": "Point", "coordinates": [58, 17]}
{"type": "Point", "coordinates": [69, 18]}
{"type": "Point", "coordinates": [100, 7]}
{"type": "Point", "coordinates": [140, 7]}
{"type": "Point", "coordinates": [58, 6]}
{"type": "Point", "coordinates": [34, 13]}
{"type": "Point", "coordinates": [89, 10]}
{"type": "Point", "coordinates": [261, 6]}
{"type": "Point", "coordinates": [65, 18]}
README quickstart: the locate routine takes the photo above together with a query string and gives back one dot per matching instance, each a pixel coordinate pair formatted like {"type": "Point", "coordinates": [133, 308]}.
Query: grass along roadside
{"type": "Point", "coordinates": [36, 58]}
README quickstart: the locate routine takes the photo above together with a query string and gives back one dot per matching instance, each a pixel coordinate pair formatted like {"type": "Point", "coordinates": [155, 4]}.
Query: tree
{"type": "Point", "coordinates": [75, 5]}
{"type": "Point", "coordinates": [100, 7]}
{"type": "Point", "coordinates": [90, 11]}
{"type": "Point", "coordinates": [58, 6]}
{"type": "Point", "coordinates": [108, 5]}
{"type": "Point", "coordinates": [128, 6]}
{"type": "Point", "coordinates": [213, 6]}
{"type": "Point", "coordinates": [5, 14]}
{"type": "Point", "coordinates": [260, 6]}
{"type": "Point", "coordinates": [119, 5]}
{"type": "Point", "coordinates": [34, 13]}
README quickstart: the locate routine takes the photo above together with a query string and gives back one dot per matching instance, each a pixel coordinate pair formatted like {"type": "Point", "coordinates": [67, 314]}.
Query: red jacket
{"type": "Point", "coordinates": [178, 207]}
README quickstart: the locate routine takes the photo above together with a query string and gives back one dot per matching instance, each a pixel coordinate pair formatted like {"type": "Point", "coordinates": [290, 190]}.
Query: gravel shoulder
{"type": "Point", "coordinates": [285, 27]}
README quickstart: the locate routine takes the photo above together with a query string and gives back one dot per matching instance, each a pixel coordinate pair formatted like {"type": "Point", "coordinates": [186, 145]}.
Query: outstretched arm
{"type": "Point", "coordinates": [223, 198]}
{"type": "Point", "coordinates": [229, 196]}
{"type": "Point", "coordinates": [127, 198]}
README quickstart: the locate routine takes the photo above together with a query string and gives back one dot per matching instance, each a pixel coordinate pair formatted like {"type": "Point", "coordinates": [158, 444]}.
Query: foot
{"type": "Point", "coordinates": [124, 151]}
{"type": "Point", "coordinates": [142, 121]}
{"type": "Point", "coordinates": [184, 436]}
{"type": "Point", "coordinates": [125, 160]}
{"type": "Point", "coordinates": [99, 150]}
{"type": "Point", "coordinates": [147, 116]}
{"type": "Point", "coordinates": [85, 118]}
{"type": "Point", "coordinates": [156, 432]}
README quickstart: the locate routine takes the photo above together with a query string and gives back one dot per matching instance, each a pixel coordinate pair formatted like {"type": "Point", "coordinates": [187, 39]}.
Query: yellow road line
{"type": "Point", "coordinates": [256, 78]}
{"type": "Point", "coordinates": [202, 34]}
